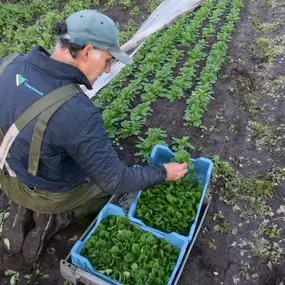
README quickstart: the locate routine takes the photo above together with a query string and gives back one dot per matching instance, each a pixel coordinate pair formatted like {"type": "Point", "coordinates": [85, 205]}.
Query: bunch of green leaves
{"type": "Point", "coordinates": [129, 255]}
{"type": "Point", "coordinates": [136, 122]}
{"type": "Point", "coordinates": [127, 4]}
{"type": "Point", "coordinates": [181, 144]}
{"type": "Point", "coordinates": [170, 207]}
{"type": "Point", "coordinates": [182, 156]}
{"type": "Point", "coordinates": [180, 147]}
{"type": "Point", "coordinates": [153, 137]}
{"type": "Point", "coordinates": [201, 96]}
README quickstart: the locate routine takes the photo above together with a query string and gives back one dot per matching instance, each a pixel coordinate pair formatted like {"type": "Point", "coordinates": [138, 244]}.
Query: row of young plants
{"type": "Point", "coordinates": [130, 255]}
{"type": "Point", "coordinates": [185, 80]}
{"type": "Point", "coordinates": [41, 33]}
{"type": "Point", "coordinates": [165, 76]}
{"type": "Point", "coordinates": [22, 13]}
{"type": "Point", "coordinates": [201, 96]}
{"type": "Point", "coordinates": [124, 120]}
{"type": "Point", "coordinates": [26, 24]}
{"type": "Point", "coordinates": [116, 111]}
{"type": "Point", "coordinates": [157, 59]}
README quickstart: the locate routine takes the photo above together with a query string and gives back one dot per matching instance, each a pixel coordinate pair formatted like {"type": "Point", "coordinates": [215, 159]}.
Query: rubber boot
{"type": "Point", "coordinates": [15, 228]}
{"type": "Point", "coordinates": [46, 227]}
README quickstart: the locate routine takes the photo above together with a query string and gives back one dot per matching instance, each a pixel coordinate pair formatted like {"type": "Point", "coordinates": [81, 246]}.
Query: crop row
{"type": "Point", "coordinates": [163, 53]}
{"type": "Point", "coordinates": [179, 85]}
{"type": "Point", "coordinates": [182, 32]}
{"type": "Point", "coordinates": [185, 80]}
{"type": "Point", "coordinates": [165, 75]}
{"type": "Point", "coordinates": [116, 110]}
{"type": "Point", "coordinates": [14, 15]}
{"type": "Point", "coordinates": [201, 96]}
{"type": "Point", "coordinates": [23, 38]}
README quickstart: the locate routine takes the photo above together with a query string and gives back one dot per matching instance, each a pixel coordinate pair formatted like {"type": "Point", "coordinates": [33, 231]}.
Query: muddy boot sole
{"type": "Point", "coordinates": [46, 227]}
{"type": "Point", "coordinates": [16, 227]}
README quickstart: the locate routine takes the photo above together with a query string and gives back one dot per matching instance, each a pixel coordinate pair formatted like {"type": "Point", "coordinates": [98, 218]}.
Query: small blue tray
{"type": "Point", "coordinates": [203, 167]}
{"type": "Point", "coordinates": [113, 210]}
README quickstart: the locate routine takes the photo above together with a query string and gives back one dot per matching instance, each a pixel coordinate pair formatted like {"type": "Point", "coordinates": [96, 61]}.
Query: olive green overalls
{"type": "Point", "coordinates": [82, 200]}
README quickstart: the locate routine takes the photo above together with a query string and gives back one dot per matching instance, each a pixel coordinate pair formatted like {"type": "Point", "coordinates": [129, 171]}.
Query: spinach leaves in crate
{"type": "Point", "coordinates": [129, 255]}
{"type": "Point", "coordinates": [172, 206]}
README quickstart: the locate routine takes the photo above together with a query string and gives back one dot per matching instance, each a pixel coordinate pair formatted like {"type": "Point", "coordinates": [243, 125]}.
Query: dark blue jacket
{"type": "Point", "coordinates": [75, 145]}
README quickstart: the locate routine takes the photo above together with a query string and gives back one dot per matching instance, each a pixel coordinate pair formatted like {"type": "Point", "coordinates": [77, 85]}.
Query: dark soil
{"type": "Point", "coordinates": [244, 76]}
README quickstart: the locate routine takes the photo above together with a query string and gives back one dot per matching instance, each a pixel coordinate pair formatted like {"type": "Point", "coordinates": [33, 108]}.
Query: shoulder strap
{"type": "Point", "coordinates": [6, 61]}
{"type": "Point", "coordinates": [1, 135]}
{"type": "Point", "coordinates": [38, 135]}
{"type": "Point", "coordinates": [67, 91]}
{"type": "Point", "coordinates": [9, 169]}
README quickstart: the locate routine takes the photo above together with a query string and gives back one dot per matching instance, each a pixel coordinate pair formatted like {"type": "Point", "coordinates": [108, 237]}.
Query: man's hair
{"type": "Point", "coordinates": [60, 30]}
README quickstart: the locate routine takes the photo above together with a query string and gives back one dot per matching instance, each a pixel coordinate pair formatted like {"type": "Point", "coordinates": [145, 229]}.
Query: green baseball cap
{"type": "Point", "coordinates": [89, 27]}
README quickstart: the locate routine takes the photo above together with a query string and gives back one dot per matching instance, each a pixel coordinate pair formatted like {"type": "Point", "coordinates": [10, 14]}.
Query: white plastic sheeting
{"type": "Point", "coordinates": [165, 14]}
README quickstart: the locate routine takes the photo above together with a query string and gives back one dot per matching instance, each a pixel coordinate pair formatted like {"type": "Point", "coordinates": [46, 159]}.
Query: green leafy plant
{"type": "Point", "coordinates": [129, 255]}
{"type": "Point", "coordinates": [181, 144]}
{"type": "Point", "coordinates": [154, 136]}
{"type": "Point", "coordinates": [273, 231]}
{"type": "Point", "coordinates": [153, 4]}
{"type": "Point", "coordinates": [126, 3]}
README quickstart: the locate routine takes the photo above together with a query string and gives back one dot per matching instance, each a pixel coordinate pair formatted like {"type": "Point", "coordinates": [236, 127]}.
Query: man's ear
{"type": "Point", "coordinates": [86, 53]}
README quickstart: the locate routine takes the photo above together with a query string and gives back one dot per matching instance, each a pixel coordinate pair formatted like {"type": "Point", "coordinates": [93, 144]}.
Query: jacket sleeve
{"type": "Point", "coordinates": [92, 150]}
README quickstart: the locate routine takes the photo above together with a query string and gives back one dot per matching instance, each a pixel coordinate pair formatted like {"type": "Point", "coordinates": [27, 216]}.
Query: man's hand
{"type": "Point", "coordinates": [176, 171]}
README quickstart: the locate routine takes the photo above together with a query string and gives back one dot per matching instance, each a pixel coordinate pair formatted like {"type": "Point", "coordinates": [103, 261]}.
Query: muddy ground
{"type": "Point", "coordinates": [242, 241]}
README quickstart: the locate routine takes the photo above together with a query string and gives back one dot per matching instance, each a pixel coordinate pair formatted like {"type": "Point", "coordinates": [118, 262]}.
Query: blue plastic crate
{"type": "Point", "coordinates": [203, 167]}
{"type": "Point", "coordinates": [113, 210]}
